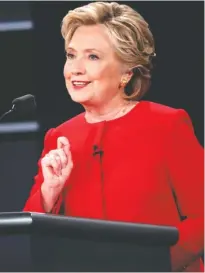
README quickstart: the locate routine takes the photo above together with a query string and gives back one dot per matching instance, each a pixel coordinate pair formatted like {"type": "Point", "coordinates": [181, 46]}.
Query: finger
{"type": "Point", "coordinates": [47, 167]}
{"type": "Point", "coordinates": [62, 157]}
{"type": "Point", "coordinates": [46, 161]}
{"type": "Point", "coordinates": [59, 163]}
{"type": "Point", "coordinates": [55, 164]}
{"type": "Point", "coordinates": [62, 142]}
{"type": "Point", "coordinates": [70, 157]}
{"type": "Point", "coordinates": [66, 149]}
{"type": "Point", "coordinates": [69, 165]}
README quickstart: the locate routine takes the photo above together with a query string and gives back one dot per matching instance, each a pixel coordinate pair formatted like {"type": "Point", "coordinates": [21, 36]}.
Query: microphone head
{"type": "Point", "coordinates": [25, 103]}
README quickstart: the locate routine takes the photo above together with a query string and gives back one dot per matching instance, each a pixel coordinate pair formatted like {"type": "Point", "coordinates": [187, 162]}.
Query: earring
{"type": "Point", "coordinates": [123, 83]}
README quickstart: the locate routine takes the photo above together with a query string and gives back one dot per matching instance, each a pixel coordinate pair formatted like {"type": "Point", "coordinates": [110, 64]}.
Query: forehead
{"type": "Point", "coordinates": [95, 36]}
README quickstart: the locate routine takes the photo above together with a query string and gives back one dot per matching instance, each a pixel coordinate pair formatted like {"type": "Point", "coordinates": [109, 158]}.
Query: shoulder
{"type": "Point", "coordinates": [165, 115]}
{"type": "Point", "coordinates": [168, 124]}
{"type": "Point", "coordinates": [159, 110]}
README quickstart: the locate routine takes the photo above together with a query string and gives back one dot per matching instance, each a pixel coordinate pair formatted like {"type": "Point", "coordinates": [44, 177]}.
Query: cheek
{"type": "Point", "coordinates": [95, 72]}
{"type": "Point", "coordinates": [101, 73]}
{"type": "Point", "coordinates": [66, 71]}
{"type": "Point", "coordinates": [109, 72]}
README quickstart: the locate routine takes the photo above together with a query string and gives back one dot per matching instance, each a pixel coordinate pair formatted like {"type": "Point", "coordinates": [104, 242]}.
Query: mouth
{"type": "Point", "coordinates": [79, 84]}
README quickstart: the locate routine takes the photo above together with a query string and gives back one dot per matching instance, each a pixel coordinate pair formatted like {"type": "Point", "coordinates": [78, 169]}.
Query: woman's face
{"type": "Point", "coordinates": [92, 71]}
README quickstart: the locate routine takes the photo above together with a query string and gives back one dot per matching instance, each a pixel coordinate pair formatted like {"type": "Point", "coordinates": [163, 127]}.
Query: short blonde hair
{"type": "Point", "coordinates": [132, 39]}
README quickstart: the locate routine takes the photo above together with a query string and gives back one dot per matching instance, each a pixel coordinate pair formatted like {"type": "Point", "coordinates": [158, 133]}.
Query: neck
{"type": "Point", "coordinates": [108, 111]}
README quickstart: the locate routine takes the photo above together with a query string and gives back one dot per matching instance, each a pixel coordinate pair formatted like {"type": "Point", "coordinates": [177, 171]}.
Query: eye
{"type": "Point", "coordinates": [69, 55]}
{"type": "Point", "coordinates": [93, 57]}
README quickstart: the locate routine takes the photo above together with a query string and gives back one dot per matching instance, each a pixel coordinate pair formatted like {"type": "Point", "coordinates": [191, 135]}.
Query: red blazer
{"type": "Point", "coordinates": [151, 171]}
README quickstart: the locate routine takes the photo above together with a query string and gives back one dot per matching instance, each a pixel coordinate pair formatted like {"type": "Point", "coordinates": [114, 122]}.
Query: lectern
{"type": "Point", "coordinates": [46, 242]}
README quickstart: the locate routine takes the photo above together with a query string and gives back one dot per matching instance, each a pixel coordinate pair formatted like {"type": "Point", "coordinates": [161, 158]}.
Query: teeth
{"type": "Point", "coordinates": [80, 83]}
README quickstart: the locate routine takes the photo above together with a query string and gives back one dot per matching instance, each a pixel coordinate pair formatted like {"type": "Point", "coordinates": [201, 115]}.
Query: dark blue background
{"type": "Point", "coordinates": [31, 61]}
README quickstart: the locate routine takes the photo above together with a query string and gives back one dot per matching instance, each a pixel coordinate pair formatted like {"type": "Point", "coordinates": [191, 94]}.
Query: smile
{"type": "Point", "coordinates": [80, 84]}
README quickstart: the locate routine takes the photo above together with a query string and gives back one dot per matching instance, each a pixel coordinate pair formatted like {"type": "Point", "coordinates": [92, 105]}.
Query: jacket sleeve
{"type": "Point", "coordinates": [34, 202]}
{"type": "Point", "coordinates": [186, 170]}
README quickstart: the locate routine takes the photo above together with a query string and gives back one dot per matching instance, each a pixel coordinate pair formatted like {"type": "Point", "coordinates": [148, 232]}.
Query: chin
{"type": "Point", "coordinates": [80, 98]}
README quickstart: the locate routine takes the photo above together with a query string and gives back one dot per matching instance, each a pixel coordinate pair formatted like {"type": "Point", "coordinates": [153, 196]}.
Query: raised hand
{"type": "Point", "coordinates": [56, 167]}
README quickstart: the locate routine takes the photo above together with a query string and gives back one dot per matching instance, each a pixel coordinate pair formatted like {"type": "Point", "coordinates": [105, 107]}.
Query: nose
{"type": "Point", "coordinates": [77, 67]}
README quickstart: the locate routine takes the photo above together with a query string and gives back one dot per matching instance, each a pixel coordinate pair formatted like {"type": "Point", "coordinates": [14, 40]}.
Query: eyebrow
{"type": "Point", "coordinates": [85, 50]}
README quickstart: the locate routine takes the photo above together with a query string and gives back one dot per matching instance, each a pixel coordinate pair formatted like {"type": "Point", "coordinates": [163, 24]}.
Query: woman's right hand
{"type": "Point", "coordinates": [56, 167]}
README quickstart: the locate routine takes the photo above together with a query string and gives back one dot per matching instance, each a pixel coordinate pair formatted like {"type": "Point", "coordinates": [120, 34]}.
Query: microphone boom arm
{"type": "Point", "coordinates": [8, 112]}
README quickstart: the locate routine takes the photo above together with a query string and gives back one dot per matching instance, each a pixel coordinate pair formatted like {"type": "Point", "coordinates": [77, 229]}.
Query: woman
{"type": "Point", "coordinates": [123, 159]}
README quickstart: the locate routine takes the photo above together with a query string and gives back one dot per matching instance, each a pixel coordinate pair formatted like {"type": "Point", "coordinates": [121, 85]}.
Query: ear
{"type": "Point", "coordinates": [128, 74]}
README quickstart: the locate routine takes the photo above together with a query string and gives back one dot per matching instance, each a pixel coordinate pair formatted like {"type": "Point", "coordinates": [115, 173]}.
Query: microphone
{"type": "Point", "coordinates": [97, 150]}
{"type": "Point", "coordinates": [25, 103]}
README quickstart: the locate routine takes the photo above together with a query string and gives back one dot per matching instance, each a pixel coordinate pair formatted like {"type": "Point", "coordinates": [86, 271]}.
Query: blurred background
{"type": "Point", "coordinates": [31, 62]}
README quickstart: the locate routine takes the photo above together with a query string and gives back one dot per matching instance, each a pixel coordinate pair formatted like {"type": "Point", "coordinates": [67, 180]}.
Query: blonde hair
{"type": "Point", "coordinates": [132, 39]}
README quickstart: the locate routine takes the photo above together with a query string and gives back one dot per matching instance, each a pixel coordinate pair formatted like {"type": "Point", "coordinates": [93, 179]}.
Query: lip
{"type": "Point", "coordinates": [80, 81]}
{"type": "Point", "coordinates": [80, 87]}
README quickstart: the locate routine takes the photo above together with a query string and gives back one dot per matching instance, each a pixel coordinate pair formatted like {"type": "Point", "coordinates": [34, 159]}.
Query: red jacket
{"type": "Point", "coordinates": [151, 171]}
